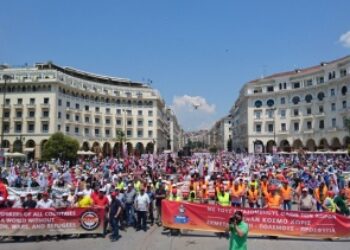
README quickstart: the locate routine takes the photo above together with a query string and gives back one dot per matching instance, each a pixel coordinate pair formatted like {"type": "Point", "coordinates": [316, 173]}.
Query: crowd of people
{"type": "Point", "coordinates": [131, 190]}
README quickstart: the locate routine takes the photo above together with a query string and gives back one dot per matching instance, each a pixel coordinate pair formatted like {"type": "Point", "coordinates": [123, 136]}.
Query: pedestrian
{"type": "Point", "coordinates": [306, 201]}
{"type": "Point", "coordinates": [159, 196]}
{"type": "Point", "coordinates": [142, 203]}
{"type": "Point", "coordinates": [239, 232]}
{"type": "Point", "coordinates": [114, 216]}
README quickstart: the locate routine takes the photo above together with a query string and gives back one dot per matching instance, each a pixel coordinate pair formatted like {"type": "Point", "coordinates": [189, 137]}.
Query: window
{"type": "Point", "coordinates": [321, 124]}
{"type": "Point", "coordinates": [87, 119]}
{"type": "Point", "coordinates": [309, 125]}
{"type": "Point", "coordinates": [270, 102]}
{"type": "Point", "coordinates": [296, 126]}
{"type": "Point", "coordinates": [269, 88]}
{"type": "Point", "coordinates": [6, 127]}
{"type": "Point", "coordinates": [86, 108]}
{"type": "Point", "coordinates": [119, 122]}
{"type": "Point", "coordinates": [334, 123]}
{"type": "Point", "coordinates": [332, 92]}
{"type": "Point", "coordinates": [150, 123]}
{"type": "Point", "coordinates": [46, 100]}
{"type": "Point", "coordinates": [77, 118]}
{"type": "Point", "coordinates": [128, 112]}
{"type": "Point", "coordinates": [320, 109]}
{"type": "Point", "coordinates": [77, 106]}
{"type": "Point", "coordinates": [86, 131]}
{"type": "Point", "coordinates": [343, 72]}
{"type": "Point", "coordinates": [344, 105]}
{"type": "Point", "coordinates": [280, 86]}
{"type": "Point", "coordinates": [270, 127]}
{"type": "Point", "coordinates": [320, 80]}
{"type": "Point", "coordinates": [59, 127]}
{"type": "Point", "coordinates": [308, 82]}
{"type": "Point", "coordinates": [7, 102]}
{"type": "Point", "coordinates": [296, 112]}
{"type": "Point", "coordinates": [76, 130]}
{"type": "Point", "coordinates": [67, 129]}
{"type": "Point", "coordinates": [32, 101]}
{"type": "Point", "coordinates": [18, 114]}
{"type": "Point", "coordinates": [20, 101]}
{"type": "Point", "coordinates": [270, 113]}
{"type": "Point", "coordinates": [296, 85]}
{"type": "Point", "coordinates": [67, 104]}
{"type": "Point", "coordinates": [108, 121]}
{"type": "Point", "coordinates": [139, 112]}
{"type": "Point", "coordinates": [320, 96]}
{"type": "Point", "coordinates": [150, 112]}
{"type": "Point", "coordinates": [308, 98]}
{"type": "Point", "coordinates": [31, 114]}
{"type": "Point", "coordinates": [296, 100]}
{"type": "Point", "coordinates": [108, 110]}
{"type": "Point", "coordinates": [30, 127]}
{"type": "Point", "coordinates": [129, 133]}
{"type": "Point", "coordinates": [150, 133]}
{"type": "Point", "coordinates": [283, 127]}
{"type": "Point", "coordinates": [333, 107]}
{"type": "Point", "coordinates": [59, 102]}
{"type": "Point", "coordinates": [258, 104]}
{"type": "Point", "coordinates": [139, 123]}
{"type": "Point", "coordinates": [97, 109]}
{"type": "Point", "coordinates": [97, 131]}
{"type": "Point", "coordinates": [129, 123]}
{"type": "Point", "coordinates": [139, 133]}
{"type": "Point", "coordinates": [67, 116]}
{"type": "Point", "coordinates": [119, 111]}
{"type": "Point", "coordinates": [258, 128]}
{"type": "Point", "coordinates": [97, 120]}
{"type": "Point", "coordinates": [45, 113]}
{"type": "Point", "coordinates": [7, 114]}
{"type": "Point", "coordinates": [107, 132]}
{"type": "Point", "coordinates": [285, 85]}
{"type": "Point", "coordinates": [283, 113]}
{"type": "Point", "coordinates": [344, 90]}
{"type": "Point", "coordinates": [308, 111]}
{"type": "Point", "coordinates": [257, 114]}
{"type": "Point", "coordinates": [331, 75]}
{"type": "Point", "coordinates": [45, 127]}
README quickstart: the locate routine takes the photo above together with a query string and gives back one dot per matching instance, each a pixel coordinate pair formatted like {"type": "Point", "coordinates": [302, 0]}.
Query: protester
{"type": "Point", "coordinates": [239, 232]}
{"type": "Point", "coordinates": [114, 216]}
{"type": "Point", "coordinates": [142, 203]}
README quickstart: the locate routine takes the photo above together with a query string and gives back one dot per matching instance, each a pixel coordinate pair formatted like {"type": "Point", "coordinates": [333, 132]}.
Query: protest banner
{"type": "Point", "coordinates": [23, 222]}
{"type": "Point", "coordinates": [262, 222]}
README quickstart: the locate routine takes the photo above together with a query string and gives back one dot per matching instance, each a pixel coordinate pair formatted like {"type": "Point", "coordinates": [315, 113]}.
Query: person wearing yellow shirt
{"type": "Point", "coordinates": [84, 201]}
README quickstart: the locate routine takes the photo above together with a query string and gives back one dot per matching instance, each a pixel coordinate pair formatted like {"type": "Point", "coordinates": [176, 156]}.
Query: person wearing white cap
{"type": "Point", "coordinates": [19, 202]}
{"type": "Point", "coordinates": [306, 201]}
{"type": "Point", "coordinates": [65, 202]}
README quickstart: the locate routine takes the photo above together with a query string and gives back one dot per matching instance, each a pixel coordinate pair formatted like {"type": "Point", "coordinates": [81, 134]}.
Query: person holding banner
{"type": "Point", "coordinates": [239, 232]}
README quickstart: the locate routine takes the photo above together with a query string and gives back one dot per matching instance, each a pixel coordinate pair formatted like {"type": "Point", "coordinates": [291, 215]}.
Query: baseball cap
{"type": "Point", "coordinates": [304, 189]}
{"type": "Point", "coordinates": [65, 195]}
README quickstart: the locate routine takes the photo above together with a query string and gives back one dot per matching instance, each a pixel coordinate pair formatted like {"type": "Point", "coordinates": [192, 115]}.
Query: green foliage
{"type": "Point", "coordinates": [60, 146]}
{"type": "Point", "coordinates": [213, 150]}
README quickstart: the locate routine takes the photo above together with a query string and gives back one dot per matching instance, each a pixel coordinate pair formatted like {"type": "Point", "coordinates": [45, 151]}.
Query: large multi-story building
{"type": "Point", "coordinates": [175, 132]}
{"type": "Point", "coordinates": [220, 134]}
{"type": "Point", "coordinates": [303, 108]}
{"type": "Point", "coordinates": [41, 100]}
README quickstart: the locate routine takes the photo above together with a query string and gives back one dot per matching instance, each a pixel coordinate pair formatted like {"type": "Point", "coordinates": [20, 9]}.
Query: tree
{"type": "Point", "coordinates": [120, 137]}
{"type": "Point", "coordinates": [60, 146]}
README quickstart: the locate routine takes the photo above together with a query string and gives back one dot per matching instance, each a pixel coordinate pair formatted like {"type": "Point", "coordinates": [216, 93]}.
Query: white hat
{"type": "Point", "coordinates": [80, 193]}
{"type": "Point", "coordinates": [12, 198]}
{"type": "Point", "coordinates": [65, 195]}
{"type": "Point", "coordinates": [22, 195]}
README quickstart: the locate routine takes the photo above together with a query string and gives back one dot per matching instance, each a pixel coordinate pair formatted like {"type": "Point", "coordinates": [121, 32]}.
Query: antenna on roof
{"type": "Point", "coordinates": [263, 71]}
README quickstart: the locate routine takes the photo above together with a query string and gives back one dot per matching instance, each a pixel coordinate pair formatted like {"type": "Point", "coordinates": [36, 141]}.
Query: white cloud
{"type": "Point", "coordinates": [194, 112]}
{"type": "Point", "coordinates": [345, 39]}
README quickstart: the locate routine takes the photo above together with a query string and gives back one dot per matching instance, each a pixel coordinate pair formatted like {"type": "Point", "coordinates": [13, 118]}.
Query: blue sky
{"type": "Point", "coordinates": [201, 50]}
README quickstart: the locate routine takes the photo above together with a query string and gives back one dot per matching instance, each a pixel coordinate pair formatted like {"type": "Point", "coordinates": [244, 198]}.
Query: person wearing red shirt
{"type": "Point", "coordinates": [3, 191]}
{"type": "Point", "coordinates": [101, 201]}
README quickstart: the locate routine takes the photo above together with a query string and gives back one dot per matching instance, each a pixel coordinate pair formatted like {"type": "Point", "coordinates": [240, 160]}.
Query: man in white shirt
{"type": "Point", "coordinates": [141, 206]}
{"type": "Point", "coordinates": [45, 202]}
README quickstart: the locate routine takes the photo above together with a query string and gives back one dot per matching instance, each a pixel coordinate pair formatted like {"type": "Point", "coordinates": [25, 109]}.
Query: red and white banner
{"type": "Point", "coordinates": [202, 217]}
{"type": "Point", "coordinates": [22, 222]}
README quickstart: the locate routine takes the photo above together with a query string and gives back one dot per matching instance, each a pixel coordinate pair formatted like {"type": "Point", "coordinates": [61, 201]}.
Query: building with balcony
{"type": "Point", "coordinates": [47, 98]}
{"type": "Point", "coordinates": [220, 134]}
{"type": "Point", "coordinates": [175, 142]}
{"type": "Point", "coordinates": [300, 109]}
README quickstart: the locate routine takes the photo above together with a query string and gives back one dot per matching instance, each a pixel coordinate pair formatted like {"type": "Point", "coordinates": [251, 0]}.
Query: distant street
{"type": "Point", "coordinates": [155, 238]}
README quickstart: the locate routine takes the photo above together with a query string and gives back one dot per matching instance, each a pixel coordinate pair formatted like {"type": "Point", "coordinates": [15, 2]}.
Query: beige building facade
{"type": "Point", "coordinates": [299, 109]}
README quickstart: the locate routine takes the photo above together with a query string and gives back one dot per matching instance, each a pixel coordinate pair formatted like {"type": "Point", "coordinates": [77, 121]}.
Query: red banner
{"type": "Point", "coordinates": [202, 217]}
{"type": "Point", "coordinates": [22, 222]}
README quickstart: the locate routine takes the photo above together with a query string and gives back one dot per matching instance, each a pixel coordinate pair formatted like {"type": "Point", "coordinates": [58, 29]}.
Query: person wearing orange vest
{"type": "Point", "coordinates": [286, 193]}
{"type": "Point", "coordinates": [320, 195]}
{"type": "Point", "coordinates": [263, 190]}
{"type": "Point", "coordinates": [236, 195]}
{"type": "Point", "coordinates": [203, 194]}
{"type": "Point", "coordinates": [253, 196]}
{"type": "Point", "coordinates": [273, 199]}
{"type": "Point", "coordinates": [347, 194]}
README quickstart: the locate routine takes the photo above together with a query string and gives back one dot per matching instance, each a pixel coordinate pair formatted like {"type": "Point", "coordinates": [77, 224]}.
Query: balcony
{"type": "Point", "coordinates": [30, 118]}
{"type": "Point", "coordinates": [18, 106]}
{"type": "Point", "coordinates": [309, 131]}
{"type": "Point", "coordinates": [322, 114]}
{"type": "Point", "coordinates": [45, 118]}
{"type": "Point", "coordinates": [45, 105]}
{"type": "Point", "coordinates": [31, 106]}
{"type": "Point", "coordinates": [18, 119]}
{"type": "Point", "coordinates": [283, 132]}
